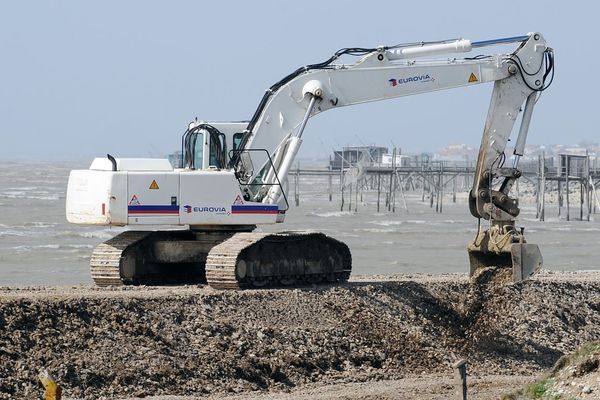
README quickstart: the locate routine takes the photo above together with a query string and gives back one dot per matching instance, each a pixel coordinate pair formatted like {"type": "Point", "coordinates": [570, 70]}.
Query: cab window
{"type": "Point", "coordinates": [237, 139]}
{"type": "Point", "coordinates": [199, 151]}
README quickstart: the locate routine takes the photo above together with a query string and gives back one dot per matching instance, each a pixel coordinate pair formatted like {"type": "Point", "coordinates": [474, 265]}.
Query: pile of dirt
{"type": "Point", "coordinates": [492, 276]}
{"type": "Point", "coordinates": [195, 340]}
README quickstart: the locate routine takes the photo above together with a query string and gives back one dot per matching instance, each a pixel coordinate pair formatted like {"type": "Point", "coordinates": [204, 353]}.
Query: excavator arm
{"type": "Point", "coordinates": [501, 244]}
{"type": "Point", "coordinates": [389, 72]}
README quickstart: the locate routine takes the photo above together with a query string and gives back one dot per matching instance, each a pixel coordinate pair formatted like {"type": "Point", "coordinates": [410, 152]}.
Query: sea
{"type": "Point", "coordinates": [39, 247]}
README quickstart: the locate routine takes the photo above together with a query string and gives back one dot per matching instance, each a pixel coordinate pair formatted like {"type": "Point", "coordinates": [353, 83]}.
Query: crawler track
{"type": "Point", "coordinates": [281, 259]}
{"type": "Point", "coordinates": [107, 257]}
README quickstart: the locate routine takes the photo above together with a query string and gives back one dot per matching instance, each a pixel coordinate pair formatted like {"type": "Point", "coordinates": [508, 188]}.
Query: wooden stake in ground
{"type": "Point", "coordinates": [460, 377]}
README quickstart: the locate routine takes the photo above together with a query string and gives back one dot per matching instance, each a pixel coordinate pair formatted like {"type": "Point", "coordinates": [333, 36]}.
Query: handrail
{"type": "Point", "coordinates": [237, 153]}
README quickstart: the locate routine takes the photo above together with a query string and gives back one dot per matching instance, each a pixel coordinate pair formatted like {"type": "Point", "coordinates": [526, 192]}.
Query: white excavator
{"type": "Point", "coordinates": [233, 174]}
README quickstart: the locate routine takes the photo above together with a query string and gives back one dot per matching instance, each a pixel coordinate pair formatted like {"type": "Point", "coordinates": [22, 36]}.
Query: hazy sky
{"type": "Point", "coordinates": [79, 79]}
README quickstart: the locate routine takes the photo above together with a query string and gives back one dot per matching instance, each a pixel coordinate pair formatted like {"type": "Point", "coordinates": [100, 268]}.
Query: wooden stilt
{"type": "Point", "coordinates": [543, 189]}
{"type": "Point", "coordinates": [441, 183]}
{"type": "Point", "coordinates": [454, 189]}
{"type": "Point", "coordinates": [567, 190]}
{"type": "Point", "coordinates": [329, 182]}
{"type": "Point", "coordinates": [350, 197]}
{"type": "Point", "coordinates": [378, 189]}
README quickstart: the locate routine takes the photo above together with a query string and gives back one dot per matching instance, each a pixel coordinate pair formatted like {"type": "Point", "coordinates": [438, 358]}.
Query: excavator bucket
{"type": "Point", "coordinates": [523, 259]}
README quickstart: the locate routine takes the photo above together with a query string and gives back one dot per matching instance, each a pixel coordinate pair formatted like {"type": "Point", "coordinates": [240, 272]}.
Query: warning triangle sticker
{"type": "Point", "coordinates": [238, 200]}
{"type": "Point", "coordinates": [134, 201]}
{"type": "Point", "coordinates": [473, 78]}
{"type": "Point", "coordinates": [154, 185]}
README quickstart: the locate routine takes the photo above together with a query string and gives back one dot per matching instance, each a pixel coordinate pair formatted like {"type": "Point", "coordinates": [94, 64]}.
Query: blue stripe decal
{"type": "Point", "coordinates": [251, 207]}
{"type": "Point", "coordinates": [265, 207]}
{"type": "Point", "coordinates": [154, 208]}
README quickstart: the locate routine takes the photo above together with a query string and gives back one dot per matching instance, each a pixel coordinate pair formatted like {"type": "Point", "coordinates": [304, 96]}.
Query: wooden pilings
{"type": "Point", "coordinates": [575, 178]}
{"type": "Point", "coordinates": [573, 174]}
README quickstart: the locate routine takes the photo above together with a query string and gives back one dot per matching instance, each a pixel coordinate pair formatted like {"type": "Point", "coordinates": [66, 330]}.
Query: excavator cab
{"type": "Point", "coordinates": [204, 147]}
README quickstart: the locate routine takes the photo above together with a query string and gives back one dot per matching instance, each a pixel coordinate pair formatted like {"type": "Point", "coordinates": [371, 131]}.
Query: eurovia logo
{"type": "Point", "coordinates": [215, 210]}
{"type": "Point", "coordinates": [411, 79]}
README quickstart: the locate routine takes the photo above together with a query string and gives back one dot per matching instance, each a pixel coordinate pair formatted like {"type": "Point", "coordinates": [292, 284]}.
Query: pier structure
{"type": "Point", "coordinates": [575, 178]}
{"type": "Point", "coordinates": [572, 178]}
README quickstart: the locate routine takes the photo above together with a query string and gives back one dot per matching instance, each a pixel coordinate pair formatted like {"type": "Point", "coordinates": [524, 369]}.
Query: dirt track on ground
{"type": "Point", "coordinates": [196, 341]}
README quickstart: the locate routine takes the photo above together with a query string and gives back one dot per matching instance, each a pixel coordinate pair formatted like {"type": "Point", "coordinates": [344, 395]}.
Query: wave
{"type": "Point", "coordinates": [20, 188]}
{"type": "Point", "coordinates": [14, 233]}
{"type": "Point", "coordinates": [51, 197]}
{"type": "Point", "coordinates": [376, 230]}
{"type": "Point", "coordinates": [68, 248]}
{"type": "Point", "coordinates": [39, 224]}
{"type": "Point", "coordinates": [332, 214]}
{"type": "Point", "coordinates": [417, 222]}
{"type": "Point", "coordinates": [386, 223]}
{"type": "Point", "coordinates": [99, 234]}
{"type": "Point", "coordinates": [11, 194]}
{"type": "Point", "coordinates": [29, 225]}
{"type": "Point", "coordinates": [96, 234]}
{"type": "Point", "coordinates": [103, 234]}
{"type": "Point", "coordinates": [27, 249]}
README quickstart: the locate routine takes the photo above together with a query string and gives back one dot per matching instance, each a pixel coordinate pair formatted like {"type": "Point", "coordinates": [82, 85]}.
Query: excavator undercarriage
{"type": "Point", "coordinates": [224, 259]}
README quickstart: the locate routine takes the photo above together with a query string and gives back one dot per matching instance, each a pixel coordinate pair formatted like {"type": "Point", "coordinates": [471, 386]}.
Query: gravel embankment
{"type": "Point", "coordinates": [198, 341]}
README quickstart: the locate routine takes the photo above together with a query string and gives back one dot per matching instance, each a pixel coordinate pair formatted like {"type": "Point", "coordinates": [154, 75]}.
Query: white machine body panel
{"type": "Point", "coordinates": [152, 198]}
{"type": "Point", "coordinates": [161, 197]}
{"type": "Point", "coordinates": [97, 197]}
{"type": "Point", "coordinates": [214, 198]}
{"type": "Point", "coordinates": [132, 164]}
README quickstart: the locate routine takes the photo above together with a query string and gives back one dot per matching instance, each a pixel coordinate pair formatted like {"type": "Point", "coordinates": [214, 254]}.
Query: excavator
{"type": "Point", "coordinates": [233, 175]}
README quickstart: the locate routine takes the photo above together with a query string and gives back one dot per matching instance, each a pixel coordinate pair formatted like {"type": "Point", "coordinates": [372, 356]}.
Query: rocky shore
{"type": "Point", "coordinates": [195, 341]}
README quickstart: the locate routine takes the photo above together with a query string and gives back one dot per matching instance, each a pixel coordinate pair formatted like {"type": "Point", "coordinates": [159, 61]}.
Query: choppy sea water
{"type": "Point", "coordinates": [38, 245]}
